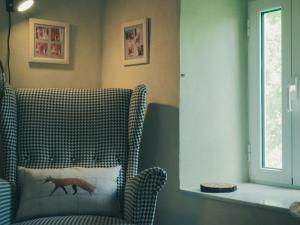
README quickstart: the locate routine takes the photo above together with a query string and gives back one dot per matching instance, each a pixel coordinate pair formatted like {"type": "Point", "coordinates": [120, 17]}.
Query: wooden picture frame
{"type": "Point", "coordinates": [49, 41]}
{"type": "Point", "coordinates": [135, 42]}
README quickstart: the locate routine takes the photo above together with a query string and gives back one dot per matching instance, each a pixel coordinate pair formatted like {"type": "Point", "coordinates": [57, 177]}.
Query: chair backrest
{"type": "Point", "coordinates": [58, 128]}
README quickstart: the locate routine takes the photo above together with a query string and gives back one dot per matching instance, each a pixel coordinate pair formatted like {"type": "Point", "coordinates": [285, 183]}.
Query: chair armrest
{"type": "Point", "coordinates": [141, 193]}
{"type": "Point", "coordinates": [5, 202]}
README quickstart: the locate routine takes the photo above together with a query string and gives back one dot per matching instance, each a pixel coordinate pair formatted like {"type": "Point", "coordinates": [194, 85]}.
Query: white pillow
{"type": "Point", "coordinates": [69, 191]}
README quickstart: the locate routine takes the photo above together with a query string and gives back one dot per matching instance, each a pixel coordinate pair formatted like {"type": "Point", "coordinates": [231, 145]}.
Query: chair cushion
{"type": "Point", "coordinates": [75, 220]}
{"type": "Point", "coordinates": [69, 191]}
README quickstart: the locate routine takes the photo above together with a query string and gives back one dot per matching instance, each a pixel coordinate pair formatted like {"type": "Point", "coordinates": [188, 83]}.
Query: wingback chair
{"type": "Point", "coordinates": [59, 128]}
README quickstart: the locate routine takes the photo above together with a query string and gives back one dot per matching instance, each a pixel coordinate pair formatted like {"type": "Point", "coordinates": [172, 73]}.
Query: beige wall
{"type": "Point", "coordinates": [161, 75]}
{"type": "Point", "coordinates": [85, 59]}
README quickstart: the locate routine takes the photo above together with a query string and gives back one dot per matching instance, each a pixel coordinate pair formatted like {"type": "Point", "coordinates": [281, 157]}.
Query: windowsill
{"type": "Point", "coordinates": [268, 197]}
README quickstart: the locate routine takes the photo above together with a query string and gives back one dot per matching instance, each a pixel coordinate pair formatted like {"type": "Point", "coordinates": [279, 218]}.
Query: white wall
{"type": "Point", "coordinates": [213, 94]}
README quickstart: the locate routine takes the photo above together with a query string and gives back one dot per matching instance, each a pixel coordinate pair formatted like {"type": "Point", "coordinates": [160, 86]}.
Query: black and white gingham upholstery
{"type": "Point", "coordinates": [58, 128]}
{"type": "Point", "coordinates": [8, 152]}
{"type": "Point", "coordinates": [141, 194]}
{"type": "Point", "coordinates": [75, 220]}
{"type": "Point", "coordinates": [135, 127]}
{"type": "Point", "coordinates": [8, 134]}
{"type": "Point", "coordinates": [5, 202]}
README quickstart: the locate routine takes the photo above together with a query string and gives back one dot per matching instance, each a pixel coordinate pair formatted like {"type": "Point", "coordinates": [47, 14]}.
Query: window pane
{"type": "Point", "coordinates": [271, 90]}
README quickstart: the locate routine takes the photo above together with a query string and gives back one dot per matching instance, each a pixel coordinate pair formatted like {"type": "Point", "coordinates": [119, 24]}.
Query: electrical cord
{"type": "Point", "coordinates": [8, 47]}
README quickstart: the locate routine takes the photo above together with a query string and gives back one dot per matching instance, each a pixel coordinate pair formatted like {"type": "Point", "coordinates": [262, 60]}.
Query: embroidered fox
{"type": "Point", "coordinates": [74, 182]}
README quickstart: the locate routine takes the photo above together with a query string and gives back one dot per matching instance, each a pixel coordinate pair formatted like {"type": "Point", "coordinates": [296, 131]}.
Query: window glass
{"type": "Point", "coordinates": [271, 89]}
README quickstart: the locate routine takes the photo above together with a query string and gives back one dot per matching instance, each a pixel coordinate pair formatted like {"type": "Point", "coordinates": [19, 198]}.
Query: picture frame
{"type": "Point", "coordinates": [135, 42]}
{"type": "Point", "coordinates": [49, 41]}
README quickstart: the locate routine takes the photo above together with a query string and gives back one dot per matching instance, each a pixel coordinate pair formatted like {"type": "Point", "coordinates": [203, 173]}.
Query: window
{"type": "Point", "coordinates": [270, 92]}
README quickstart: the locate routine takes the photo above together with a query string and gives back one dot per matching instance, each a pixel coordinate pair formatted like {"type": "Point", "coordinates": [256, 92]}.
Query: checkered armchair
{"type": "Point", "coordinates": [58, 128]}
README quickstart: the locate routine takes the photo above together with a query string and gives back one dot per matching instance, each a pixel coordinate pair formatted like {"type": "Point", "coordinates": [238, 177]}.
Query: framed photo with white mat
{"type": "Point", "coordinates": [48, 41]}
{"type": "Point", "coordinates": [135, 42]}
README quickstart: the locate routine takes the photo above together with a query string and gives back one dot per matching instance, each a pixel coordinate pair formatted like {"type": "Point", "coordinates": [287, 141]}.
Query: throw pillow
{"type": "Point", "coordinates": [68, 191]}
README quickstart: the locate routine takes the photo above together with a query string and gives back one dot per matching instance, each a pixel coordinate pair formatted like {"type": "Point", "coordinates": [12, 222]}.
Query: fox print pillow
{"type": "Point", "coordinates": [69, 191]}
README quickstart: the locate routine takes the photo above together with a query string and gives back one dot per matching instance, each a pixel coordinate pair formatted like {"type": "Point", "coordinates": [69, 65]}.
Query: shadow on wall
{"type": "Point", "coordinates": [160, 139]}
{"type": "Point", "coordinates": [160, 147]}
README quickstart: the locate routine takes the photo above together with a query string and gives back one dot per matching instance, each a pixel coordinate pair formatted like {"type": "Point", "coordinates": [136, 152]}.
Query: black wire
{"type": "Point", "coordinates": [8, 46]}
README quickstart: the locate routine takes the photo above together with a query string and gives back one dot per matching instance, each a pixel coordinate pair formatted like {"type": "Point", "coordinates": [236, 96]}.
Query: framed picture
{"type": "Point", "coordinates": [135, 42]}
{"type": "Point", "coordinates": [48, 41]}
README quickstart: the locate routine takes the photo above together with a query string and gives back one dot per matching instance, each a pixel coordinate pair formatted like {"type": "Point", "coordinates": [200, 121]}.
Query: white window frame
{"type": "Point", "coordinates": [258, 174]}
{"type": "Point", "coordinates": [296, 102]}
